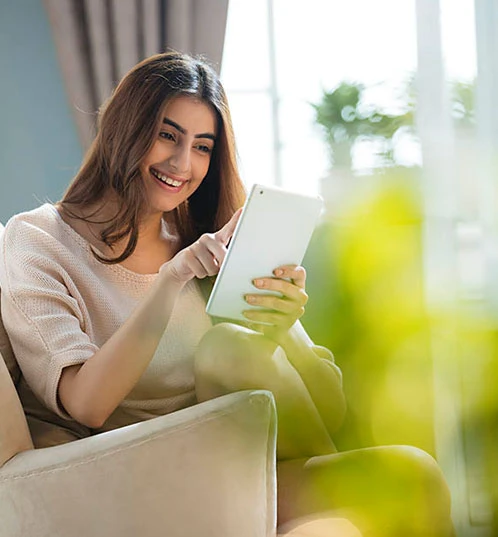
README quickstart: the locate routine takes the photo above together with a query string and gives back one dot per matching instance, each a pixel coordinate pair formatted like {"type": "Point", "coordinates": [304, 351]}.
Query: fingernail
{"type": "Point", "coordinates": [250, 298]}
{"type": "Point", "coordinates": [258, 283]}
{"type": "Point", "coordinates": [278, 272]}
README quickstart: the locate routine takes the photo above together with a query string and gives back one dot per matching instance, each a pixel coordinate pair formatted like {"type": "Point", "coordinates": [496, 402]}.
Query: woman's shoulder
{"type": "Point", "coordinates": [39, 230]}
{"type": "Point", "coordinates": [43, 218]}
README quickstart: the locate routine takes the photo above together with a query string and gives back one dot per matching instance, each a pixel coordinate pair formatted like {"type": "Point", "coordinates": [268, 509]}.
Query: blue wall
{"type": "Point", "coordinates": [39, 148]}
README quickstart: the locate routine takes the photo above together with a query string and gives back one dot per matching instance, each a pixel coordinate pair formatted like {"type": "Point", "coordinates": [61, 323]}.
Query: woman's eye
{"type": "Point", "coordinates": [167, 135]}
{"type": "Point", "coordinates": [204, 148]}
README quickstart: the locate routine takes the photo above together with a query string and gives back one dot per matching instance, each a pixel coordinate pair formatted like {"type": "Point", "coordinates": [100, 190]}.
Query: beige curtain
{"type": "Point", "coordinates": [98, 41]}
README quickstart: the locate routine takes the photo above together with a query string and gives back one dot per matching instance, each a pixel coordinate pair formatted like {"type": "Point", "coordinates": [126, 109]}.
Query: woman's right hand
{"type": "Point", "coordinates": [203, 257]}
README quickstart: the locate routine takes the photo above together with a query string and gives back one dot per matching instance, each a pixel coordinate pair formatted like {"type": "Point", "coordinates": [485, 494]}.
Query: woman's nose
{"type": "Point", "coordinates": [180, 159]}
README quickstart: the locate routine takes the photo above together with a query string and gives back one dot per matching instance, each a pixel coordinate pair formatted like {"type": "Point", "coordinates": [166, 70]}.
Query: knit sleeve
{"type": "Point", "coordinates": [42, 318]}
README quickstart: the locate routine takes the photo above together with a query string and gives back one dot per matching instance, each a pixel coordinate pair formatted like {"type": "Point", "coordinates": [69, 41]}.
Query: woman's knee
{"type": "Point", "coordinates": [398, 484]}
{"type": "Point", "coordinates": [421, 465]}
{"type": "Point", "coordinates": [233, 356]}
{"type": "Point", "coordinates": [425, 486]}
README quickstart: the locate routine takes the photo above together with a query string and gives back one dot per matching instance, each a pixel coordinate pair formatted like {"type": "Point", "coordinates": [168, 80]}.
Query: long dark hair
{"type": "Point", "coordinates": [127, 127]}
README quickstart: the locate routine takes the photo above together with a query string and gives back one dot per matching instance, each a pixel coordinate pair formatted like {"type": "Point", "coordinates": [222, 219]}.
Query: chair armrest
{"type": "Point", "coordinates": [207, 470]}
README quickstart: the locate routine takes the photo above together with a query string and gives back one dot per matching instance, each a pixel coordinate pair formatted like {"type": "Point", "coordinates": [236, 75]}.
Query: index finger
{"type": "Point", "coordinates": [224, 234]}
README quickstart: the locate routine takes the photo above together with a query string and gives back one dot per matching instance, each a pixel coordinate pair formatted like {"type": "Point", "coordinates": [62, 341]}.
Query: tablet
{"type": "Point", "coordinates": [274, 229]}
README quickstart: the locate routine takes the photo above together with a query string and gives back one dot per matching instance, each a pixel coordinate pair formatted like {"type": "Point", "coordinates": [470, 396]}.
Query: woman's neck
{"type": "Point", "coordinates": [155, 244]}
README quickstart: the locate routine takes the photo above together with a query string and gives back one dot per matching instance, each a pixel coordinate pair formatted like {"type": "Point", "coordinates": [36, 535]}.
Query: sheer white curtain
{"type": "Point", "coordinates": [460, 243]}
{"type": "Point", "coordinates": [98, 41]}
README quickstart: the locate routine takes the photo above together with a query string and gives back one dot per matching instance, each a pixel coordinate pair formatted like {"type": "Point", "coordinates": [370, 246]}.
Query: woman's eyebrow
{"type": "Point", "coordinates": [175, 125]}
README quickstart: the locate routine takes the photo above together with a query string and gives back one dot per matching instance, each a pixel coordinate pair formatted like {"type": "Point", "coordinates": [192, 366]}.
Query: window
{"type": "Point", "coordinates": [313, 47]}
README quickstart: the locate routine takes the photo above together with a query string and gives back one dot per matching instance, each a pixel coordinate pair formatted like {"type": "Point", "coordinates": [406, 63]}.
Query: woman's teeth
{"type": "Point", "coordinates": [166, 179]}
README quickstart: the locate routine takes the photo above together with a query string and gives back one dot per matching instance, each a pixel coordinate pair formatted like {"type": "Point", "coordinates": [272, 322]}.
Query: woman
{"type": "Point", "coordinates": [101, 300]}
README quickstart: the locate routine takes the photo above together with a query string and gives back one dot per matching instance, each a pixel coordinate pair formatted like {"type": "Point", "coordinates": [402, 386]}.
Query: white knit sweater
{"type": "Point", "coordinates": [59, 305]}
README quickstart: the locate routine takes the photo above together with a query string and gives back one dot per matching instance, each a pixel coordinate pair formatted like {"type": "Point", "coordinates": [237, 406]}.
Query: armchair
{"type": "Point", "coordinates": [208, 470]}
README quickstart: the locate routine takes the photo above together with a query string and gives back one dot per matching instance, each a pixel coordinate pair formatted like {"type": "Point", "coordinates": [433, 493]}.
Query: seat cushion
{"type": "Point", "coordinates": [319, 525]}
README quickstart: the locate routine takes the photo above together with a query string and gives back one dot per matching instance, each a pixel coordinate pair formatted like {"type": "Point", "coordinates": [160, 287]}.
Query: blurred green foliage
{"type": "Point", "coordinates": [463, 104]}
{"type": "Point", "coordinates": [365, 281]}
{"type": "Point", "coordinates": [366, 284]}
{"type": "Point", "coordinates": [366, 275]}
{"type": "Point", "coordinates": [346, 117]}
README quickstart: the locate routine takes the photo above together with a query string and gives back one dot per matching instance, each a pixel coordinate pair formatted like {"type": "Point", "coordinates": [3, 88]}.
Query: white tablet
{"type": "Point", "coordinates": [274, 229]}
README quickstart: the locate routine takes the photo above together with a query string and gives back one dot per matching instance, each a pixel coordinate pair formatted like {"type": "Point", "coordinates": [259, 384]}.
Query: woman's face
{"type": "Point", "coordinates": [179, 158]}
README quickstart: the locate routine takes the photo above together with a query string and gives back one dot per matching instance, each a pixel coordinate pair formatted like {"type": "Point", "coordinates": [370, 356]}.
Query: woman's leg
{"type": "Point", "coordinates": [231, 358]}
{"type": "Point", "coordinates": [387, 491]}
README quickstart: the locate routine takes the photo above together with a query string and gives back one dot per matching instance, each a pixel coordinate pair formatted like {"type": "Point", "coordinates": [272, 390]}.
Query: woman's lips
{"type": "Point", "coordinates": [172, 183]}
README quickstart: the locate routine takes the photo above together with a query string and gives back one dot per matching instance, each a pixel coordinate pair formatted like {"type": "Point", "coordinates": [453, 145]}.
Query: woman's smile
{"type": "Point", "coordinates": [168, 181]}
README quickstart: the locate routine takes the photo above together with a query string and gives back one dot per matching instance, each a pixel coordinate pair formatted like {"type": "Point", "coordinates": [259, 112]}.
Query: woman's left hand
{"type": "Point", "coordinates": [281, 312]}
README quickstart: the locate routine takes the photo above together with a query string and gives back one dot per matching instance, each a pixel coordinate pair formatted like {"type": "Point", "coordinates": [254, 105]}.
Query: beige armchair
{"type": "Point", "coordinates": [205, 471]}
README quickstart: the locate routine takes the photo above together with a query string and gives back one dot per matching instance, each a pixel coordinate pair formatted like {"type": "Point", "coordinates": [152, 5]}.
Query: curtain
{"type": "Point", "coordinates": [98, 41]}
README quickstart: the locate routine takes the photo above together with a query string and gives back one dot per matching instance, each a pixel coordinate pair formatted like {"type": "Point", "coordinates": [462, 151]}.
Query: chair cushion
{"type": "Point", "coordinates": [326, 524]}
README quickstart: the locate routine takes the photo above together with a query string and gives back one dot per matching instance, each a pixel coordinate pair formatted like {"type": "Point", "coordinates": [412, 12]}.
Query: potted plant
{"type": "Point", "coordinates": [347, 119]}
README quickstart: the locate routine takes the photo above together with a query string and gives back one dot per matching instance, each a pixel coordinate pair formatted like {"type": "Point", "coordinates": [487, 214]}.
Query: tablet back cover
{"type": "Point", "coordinates": [274, 229]}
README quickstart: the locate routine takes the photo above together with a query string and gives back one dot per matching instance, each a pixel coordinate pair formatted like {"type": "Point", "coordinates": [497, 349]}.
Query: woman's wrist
{"type": "Point", "coordinates": [281, 337]}
{"type": "Point", "coordinates": [286, 336]}
{"type": "Point", "coordinates": [165, 292]}
{"type": "Point", "coordinates": [296, 344]}
{"type": "Point", "coordinates": [168, 277]}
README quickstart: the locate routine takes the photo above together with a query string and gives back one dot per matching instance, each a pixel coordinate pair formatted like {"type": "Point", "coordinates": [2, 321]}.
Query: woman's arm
{"type": "Point", "coordinates": [90, 392]}
{"type": "Point", "coordinates": [321, 377]}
